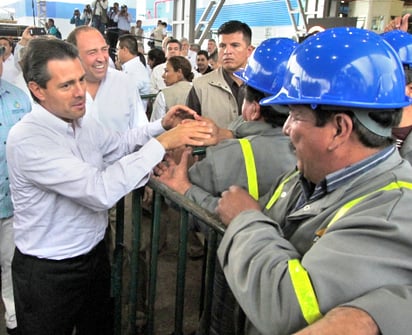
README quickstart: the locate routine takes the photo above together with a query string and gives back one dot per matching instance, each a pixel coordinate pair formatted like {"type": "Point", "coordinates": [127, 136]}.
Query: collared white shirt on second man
{"type": "Point", "coordinates": [116, 104]}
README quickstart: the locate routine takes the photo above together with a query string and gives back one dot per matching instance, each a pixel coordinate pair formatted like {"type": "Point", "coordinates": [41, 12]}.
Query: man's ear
{"type": "Point", "coordinates": [343, 126]}
{"type": "Point", "coordinates": [256, 115]}
{"type": "Point", "coordinates": [37, 91]}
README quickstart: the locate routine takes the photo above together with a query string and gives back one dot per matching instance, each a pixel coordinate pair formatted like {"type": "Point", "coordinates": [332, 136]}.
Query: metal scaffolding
{"type": "Point", "coordinates": [41, 13]}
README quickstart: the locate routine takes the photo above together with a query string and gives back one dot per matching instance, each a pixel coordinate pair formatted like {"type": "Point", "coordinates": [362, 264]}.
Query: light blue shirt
{"type": "Point", "coordinates": [64, 177]}
{"type": "Point", "coordinates": [14, 103]}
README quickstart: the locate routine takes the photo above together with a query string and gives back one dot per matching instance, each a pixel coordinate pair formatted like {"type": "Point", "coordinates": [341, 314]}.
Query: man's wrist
{"type": "Point", "coordinates": [165, 127]}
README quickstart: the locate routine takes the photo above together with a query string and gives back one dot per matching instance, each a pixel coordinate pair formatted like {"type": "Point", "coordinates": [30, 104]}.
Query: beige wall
{"type": "Point", "coordinates": [375, 14]}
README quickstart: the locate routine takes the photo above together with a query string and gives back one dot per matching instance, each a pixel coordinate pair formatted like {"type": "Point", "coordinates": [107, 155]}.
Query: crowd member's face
{"type": "Point", "coordinates": [94, 54]}
{"type": "Point", "coordinates": [173, 49]}
{"type": "Point", "coordinates": [7, 50]}
{"type": "Point", "coordinates": [121, 54]}
{"type": "Point", "coordinates": [309, 142]}
{"type": "Point", "coordinates": [233, 51]}
{"type": "Point", "coordinates": [202, 63]}
{"type": "Point", "coordinates": [65, 92]}
{"type": "Point", "coordinates": [211, 47]}
{"type": "Point", "coordinates": [170, 76]}
{"type": "Point", "coordinates": [185, 46]}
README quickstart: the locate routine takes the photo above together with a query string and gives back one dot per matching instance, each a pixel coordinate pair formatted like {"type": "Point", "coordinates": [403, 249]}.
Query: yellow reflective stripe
{"type": "Point", "coordinates": [304, 291]}
{"type": "Point", "coordinates": [300, 279]}
{"type": "Point", "coordinates": [279, 190]}
{"type": "Point", "coordinates": [346, 207]}
{"type": "Point", "coordinates": [252, 180]}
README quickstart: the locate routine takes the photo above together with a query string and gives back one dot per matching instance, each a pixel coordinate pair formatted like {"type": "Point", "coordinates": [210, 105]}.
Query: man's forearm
{"type": "Point", "coordinates": [343, 321]}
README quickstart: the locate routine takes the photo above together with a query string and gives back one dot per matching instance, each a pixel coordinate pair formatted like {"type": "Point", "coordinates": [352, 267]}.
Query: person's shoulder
{"type": "Point", "coordinates": [206, 78]}
{"type": "Point", "coordinates": [13, 89]}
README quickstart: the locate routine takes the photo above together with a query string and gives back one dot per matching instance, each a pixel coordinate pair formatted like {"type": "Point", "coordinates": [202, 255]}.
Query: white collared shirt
{"type": "Point", "coordinates": [65, 177]}
{"type": "Point", "coordinates": [116, 104]}
{"type": "Point", "coordinates": [10, 70]}
{"type": "Point", "coordinates": [138, 74]}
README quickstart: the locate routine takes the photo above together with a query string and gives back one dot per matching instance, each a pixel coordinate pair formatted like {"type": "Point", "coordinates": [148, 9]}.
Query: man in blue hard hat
{"type": "Point", "coordinates": [254, 159]}
{"type": "Point", "coordinates": [333, 235]}
{"type": "Point", "coordinates": [402, 43]}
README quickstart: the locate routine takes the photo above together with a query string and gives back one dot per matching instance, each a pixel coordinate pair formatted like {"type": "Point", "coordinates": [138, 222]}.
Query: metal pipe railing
{"type": "Point", "coordinates": [187, 209]}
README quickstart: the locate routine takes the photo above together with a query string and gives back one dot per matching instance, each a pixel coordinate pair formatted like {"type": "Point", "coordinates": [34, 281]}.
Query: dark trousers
{"type": "Point", "coordinates": [54, 297]}
{"type": "Point", "coordinates": [112, 35]}
{"type": "Point", "coordinates": [97, 23]}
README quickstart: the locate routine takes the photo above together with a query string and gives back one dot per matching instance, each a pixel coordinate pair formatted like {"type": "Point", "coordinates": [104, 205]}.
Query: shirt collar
{"type": "Point", "coordinates": [3, 90]}
{"type": "Point", "coordinates": [54, 121]}
{"type": "Point", "coordinates": [343, 176]}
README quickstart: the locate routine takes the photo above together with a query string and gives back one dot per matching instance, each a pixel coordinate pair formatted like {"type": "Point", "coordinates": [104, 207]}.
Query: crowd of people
{"type": "Point", "coordinates": [307, 165]}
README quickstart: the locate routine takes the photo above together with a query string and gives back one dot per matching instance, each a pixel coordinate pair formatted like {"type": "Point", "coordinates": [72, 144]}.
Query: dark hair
{"type": "Point", "coordinates": [174, 40]}
{"type": "Point", "coordinates": [204, 53]}
{"type": "Point", "coordinates": [269, 113]}
{"type": "Point", "coordinates": [385, 118]}
{"type": "Point", "coordinates": [51, 20]}
{"type": "Point", "coordinates": [157, 56]}
{"type": "Point", "coordinates": [181, 63]}
{"type": "Point", "coordinates": [9, 40]}
{"type": "Point", "coordinates": [142, 58]}
{"type": "Point", "coordinates": [37, 55]}
{"type": "Point", "coordinates": [234, 26]}
{"type": "Point", "coordinates": [129, 42]}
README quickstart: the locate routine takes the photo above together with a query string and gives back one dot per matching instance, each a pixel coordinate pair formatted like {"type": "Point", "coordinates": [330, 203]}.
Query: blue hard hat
{"type": "Point", "coordinates": [343, 66]}
{"type": "Point", "coordinates": [267, 64]}
{"type": "Point", "coordinates": [402, 43]}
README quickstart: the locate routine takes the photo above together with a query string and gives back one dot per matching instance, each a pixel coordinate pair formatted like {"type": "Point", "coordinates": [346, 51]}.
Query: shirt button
{"type": "Point", "coordinates": [306, 208]}
{"type": "Point", "coordinates": [283, 194]}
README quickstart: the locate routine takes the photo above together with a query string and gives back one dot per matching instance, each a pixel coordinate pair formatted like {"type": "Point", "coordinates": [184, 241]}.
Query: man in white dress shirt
{"type": "Point", "coordinates": [10, 70]}
{"type": "Point", "coordinates": [66, 170]}
{"type": "Point", "coordinates": [127, 54]}
{"type": "Point", "coordinates": [111, 96]}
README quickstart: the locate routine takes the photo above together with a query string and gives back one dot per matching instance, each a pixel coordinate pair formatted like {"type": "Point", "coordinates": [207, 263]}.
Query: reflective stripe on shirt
{"type": "Point", "coordinates": [304, 291]}
{"type": "Point", "coordinates": [250, 165]}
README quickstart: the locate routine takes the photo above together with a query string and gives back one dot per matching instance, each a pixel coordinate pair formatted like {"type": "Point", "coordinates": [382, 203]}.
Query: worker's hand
{"type": "Point", "coordinates": [218, 133]}
{"type": "Point", "coordinates": [190, 133]}
{"type": "Point", "coordinates": [400, 22]}
{"type": "Point", "coordinates": [175, 175]}
{"type": "Point", "coordinates": [176, 114]}
{"type": "Point", "coordinates": [234, 201]}
{"type": "Point", "coordinates": [147, 196]}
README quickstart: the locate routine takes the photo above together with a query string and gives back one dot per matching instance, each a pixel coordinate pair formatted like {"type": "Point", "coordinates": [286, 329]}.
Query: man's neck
{"type": "Point", "coordinates": [93, 87]}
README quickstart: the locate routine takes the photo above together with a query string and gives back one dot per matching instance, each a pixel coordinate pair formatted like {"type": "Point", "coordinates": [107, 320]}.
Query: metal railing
{"type": "Point", "coordinates": [186, 208]}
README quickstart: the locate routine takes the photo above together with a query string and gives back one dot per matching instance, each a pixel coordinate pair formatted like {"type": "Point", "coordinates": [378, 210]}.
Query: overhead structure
{"type": "Point", "coordinates": [41, 13]}
{"type": "Point", "coordinates": [184, 19]}
{"type": "Point", "coordinates": [185, 25]}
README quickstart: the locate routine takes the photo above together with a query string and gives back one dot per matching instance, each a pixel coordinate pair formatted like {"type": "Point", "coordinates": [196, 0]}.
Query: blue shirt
{"type": "Point", "coordinates": [14, 103]}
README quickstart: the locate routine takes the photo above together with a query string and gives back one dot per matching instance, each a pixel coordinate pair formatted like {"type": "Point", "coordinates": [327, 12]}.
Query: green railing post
{"type": "Point", "coordinates": [134, 277]}
{"type": "Point", "coordinates": [117, 270]}
{"type": "Point", "coordinates": [187, 208]}
{"type": "Point", "coordinates": [181, 273]}
{"type": "Point", "coordinates": [157, 205]}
